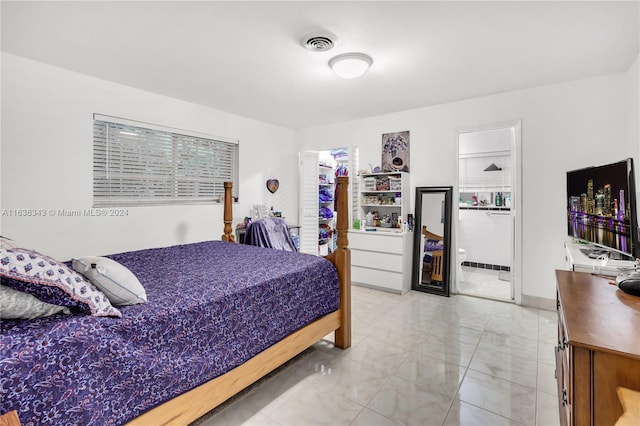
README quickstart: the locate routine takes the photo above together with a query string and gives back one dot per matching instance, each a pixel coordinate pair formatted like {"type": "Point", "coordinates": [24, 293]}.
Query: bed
{"type": "Point", "coordinates": [210, 328]}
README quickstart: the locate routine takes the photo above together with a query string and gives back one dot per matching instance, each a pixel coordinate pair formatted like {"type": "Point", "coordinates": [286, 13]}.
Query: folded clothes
{"type": "Point", "coordinates": [325, 213]}
{"type": "Point", "coordinates": [325, 195]}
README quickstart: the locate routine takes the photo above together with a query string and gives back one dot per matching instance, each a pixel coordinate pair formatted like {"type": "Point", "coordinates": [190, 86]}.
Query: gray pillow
{"type": "Point", "coordinates": [16, 304]}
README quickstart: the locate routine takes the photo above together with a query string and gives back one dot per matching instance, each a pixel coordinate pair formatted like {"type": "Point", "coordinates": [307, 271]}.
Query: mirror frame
{"type": "Point", "coordinates": [416, 279]}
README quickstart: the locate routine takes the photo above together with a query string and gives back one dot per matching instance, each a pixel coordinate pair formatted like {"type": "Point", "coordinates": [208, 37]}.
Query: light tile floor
{"type": "Point", "coordinates": [416, 359]}
{"type": "Point", "coordinates": [485, 283]}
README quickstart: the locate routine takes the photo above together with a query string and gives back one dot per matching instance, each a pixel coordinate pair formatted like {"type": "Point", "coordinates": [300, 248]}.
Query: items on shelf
{"type": "Point", "coordinates": [378, 200]}
{"type": "Point", "coordinates": [324, 232]}
{"type": "Point", "coordinates": [324, 179]}
{"type": "Point", "coordinates": [381, 200]}
{"type": "Point", "coordinates": [369, 184]}
{"type": "Point", "coordinates": [485, 198]}
{"type": "Point", "coordinates": [325, 195]}
{"type": "Point", "coordinates": [342, 170]}
{"type": "Point", "coordinates": [382, 183]}
{"type": "Point", "coordinates": [395, 183]}
{"type": "Point", "coordinates": [325, 213]}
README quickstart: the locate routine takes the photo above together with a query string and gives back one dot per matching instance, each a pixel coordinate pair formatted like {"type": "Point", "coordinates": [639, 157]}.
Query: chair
{"type": "Point", "coordinates": [436, 255]}
{"type": "Point", "coordinates": [270, 232]}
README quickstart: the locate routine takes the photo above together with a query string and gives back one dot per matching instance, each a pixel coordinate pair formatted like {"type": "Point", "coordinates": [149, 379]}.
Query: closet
{"type": "Point", "coordinates": [317, 216]}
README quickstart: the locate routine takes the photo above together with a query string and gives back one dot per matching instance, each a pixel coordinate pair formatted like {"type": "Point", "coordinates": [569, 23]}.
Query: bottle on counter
{"type": "Point", "coordinates": [498, 199]}
{"type": "Point", "coordinates": [369, 219]}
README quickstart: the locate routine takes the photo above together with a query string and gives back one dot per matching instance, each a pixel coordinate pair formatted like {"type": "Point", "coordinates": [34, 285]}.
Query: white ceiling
{"type": "Point", "coordinates": [246, 58]}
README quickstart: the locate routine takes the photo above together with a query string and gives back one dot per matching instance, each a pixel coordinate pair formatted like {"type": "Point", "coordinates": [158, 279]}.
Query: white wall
{"type": "Point", "coordinates": [486, 238]}
{"type": "Point", "coordinates": [565, 126]}
{"type": "Point", "coordinates": [633, 105]}
{"type": "Point", "coordinates": [46, 157]}
{"type": "Point", "coordinates": [633, 124]}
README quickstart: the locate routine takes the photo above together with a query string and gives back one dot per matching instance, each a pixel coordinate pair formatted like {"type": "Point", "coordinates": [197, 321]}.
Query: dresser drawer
{"type": "Point", "coordinates": [374, 241]}
{"type": "Point", "coordinates": [377, 260]}
{"type": "Point", "coordinates": [383, 279]}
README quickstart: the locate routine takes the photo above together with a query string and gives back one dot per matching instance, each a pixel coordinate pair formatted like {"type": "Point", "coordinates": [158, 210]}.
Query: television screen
{"type": "Point", "coordinates": [601, 207]}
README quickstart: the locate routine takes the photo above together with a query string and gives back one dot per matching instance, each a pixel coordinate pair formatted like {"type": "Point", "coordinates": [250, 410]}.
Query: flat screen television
{"type": "Point", "coordinates": [602, 210]}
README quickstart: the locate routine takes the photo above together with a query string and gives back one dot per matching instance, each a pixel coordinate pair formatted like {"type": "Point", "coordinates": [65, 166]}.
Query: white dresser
{"type": "Point", "coordinates": [381, 259]}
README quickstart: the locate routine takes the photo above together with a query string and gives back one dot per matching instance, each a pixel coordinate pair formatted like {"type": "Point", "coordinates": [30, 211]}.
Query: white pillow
{"type": "Point", "coordinates": [15, 304]}
{"type": "Point", "coordinates": [117, 282]}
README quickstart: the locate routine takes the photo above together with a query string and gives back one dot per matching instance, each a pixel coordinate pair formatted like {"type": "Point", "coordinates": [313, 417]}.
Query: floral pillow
{"type": "Point", "coordinates": [52, 282]}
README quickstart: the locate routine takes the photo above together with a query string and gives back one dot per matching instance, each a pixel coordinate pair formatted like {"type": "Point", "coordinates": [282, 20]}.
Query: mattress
{"type": "Point", "coordinates": [211, 307]}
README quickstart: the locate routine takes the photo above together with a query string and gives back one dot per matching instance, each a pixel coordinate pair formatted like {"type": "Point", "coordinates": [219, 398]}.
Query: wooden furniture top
{"type": "Point", "coordinates": [599, 315]}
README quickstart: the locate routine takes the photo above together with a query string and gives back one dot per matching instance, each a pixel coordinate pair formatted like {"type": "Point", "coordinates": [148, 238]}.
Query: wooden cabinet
{"type": "Point", "coordinates": [598, 348]}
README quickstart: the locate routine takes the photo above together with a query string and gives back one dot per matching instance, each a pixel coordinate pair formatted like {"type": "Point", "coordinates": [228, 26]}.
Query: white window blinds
{"type": "Point", "coordinates": [143, 164]}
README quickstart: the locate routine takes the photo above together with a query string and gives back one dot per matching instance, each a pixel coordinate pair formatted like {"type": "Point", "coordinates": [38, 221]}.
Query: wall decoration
{"type": "Point", "coordinates": [395, 152]}
{"type": "Point", "coordinates": [273, 185]}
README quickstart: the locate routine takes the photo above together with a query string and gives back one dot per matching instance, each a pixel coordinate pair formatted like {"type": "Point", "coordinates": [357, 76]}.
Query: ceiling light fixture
{"type": "Point", "coordinates": [350, 65]}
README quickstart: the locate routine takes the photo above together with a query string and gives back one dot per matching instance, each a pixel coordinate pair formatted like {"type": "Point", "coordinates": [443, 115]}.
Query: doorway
{"type": "Point", "coordinates": [488, 227]}
{"type": "Point", "coordinates": [317, 214]}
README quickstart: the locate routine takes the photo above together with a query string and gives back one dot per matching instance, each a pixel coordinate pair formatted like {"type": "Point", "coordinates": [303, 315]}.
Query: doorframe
{"type": "Point", "coordinates": [516, 201]}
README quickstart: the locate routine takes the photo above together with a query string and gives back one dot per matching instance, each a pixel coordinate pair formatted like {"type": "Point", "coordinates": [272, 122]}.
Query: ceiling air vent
{"type": "Point", "coordinates": [319, 41]}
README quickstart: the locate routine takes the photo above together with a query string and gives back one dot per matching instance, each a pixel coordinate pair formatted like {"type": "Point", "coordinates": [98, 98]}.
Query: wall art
{"type": "Point", "coordinates": [395, 152]}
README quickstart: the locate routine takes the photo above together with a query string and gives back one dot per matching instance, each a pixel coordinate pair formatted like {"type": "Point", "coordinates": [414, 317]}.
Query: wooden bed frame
{"type": "Point", "coordinates": [191, 405]}
{"type": "Point", "coordinates": [436, 256]}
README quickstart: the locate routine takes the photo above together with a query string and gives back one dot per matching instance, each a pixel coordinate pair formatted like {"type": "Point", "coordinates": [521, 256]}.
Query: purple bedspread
{"type": "Point", "coordinates": [212, 306]}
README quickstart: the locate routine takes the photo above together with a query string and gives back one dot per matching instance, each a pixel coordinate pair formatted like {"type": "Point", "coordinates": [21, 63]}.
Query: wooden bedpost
{"type": "Point", "coordinates": [228, 214]}
{"type": "Point", "coordinates": [341, 258]}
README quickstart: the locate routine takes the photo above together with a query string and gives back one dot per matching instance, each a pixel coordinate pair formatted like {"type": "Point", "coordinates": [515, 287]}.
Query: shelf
{"type": "Point", "coordinates": [380, 230]}
{"type": "Point", "coordinates": [381, 205]}
{"type": "Point", "coordinates": [381, 174]}
{"type": "Point", "coordinates": [386, 191]}
{"type": "Point", "coordinates": [488, 208]}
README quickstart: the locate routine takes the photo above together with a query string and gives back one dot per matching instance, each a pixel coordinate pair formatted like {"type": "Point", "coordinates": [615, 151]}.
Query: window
{"type": "Point", "coordinates": [144, 164]}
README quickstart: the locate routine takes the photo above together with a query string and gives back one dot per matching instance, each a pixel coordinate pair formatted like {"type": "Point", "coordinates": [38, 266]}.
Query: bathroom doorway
{"type": "Point", "coordinates": [488, 226]}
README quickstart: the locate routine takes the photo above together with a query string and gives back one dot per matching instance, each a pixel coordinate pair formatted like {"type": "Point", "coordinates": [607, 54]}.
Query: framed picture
{"type": "Point", "coordinates": [395, 152]}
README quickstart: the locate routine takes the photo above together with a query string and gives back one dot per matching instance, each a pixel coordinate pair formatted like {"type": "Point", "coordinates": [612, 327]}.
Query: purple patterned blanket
{"type": "Point", "coordinates": [212, 306]}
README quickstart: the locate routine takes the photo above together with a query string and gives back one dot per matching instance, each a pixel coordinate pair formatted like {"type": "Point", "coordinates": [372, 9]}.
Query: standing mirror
{"type": "Point", "coordinates": [432, 240]}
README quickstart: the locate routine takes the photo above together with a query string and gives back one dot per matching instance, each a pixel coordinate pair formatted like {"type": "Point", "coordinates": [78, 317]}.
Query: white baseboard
{"type": "Point", "coordinates": [539, 303]}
